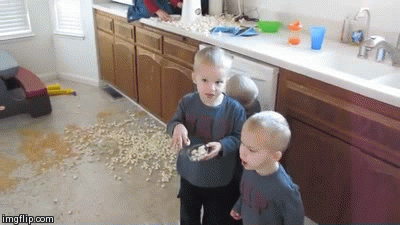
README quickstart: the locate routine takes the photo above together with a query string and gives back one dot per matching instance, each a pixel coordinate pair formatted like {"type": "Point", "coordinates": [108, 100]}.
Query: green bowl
{"type": "Point", "coordinates": [269, 26]}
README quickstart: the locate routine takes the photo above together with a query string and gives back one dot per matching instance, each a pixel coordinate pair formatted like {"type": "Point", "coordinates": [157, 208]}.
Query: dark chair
{"type": "Point", "coordinates": [21, 91]}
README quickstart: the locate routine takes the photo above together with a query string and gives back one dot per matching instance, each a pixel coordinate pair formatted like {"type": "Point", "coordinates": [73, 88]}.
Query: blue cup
{"type": "Point", "coordinates": [317, 36]}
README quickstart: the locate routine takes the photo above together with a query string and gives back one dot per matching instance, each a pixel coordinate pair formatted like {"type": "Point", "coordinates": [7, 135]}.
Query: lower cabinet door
{"type": "Point", "coordinates": [125, 67]}
{"type": "Point", "coordinates": [321, 165]}
{"type": "Point", "coordinates": [106, 56]}
{"type": "Point", "coordinates": [149, 80]}
{"type": "Point", "coordinates": [375, 191]}
{"type": "Point", "coordinates": [176, 81]}
{"type": "Point", "coordinates": [340, 183]}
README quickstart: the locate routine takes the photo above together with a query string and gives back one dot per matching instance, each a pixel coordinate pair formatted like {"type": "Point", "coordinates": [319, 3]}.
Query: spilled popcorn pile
{"type": "Point", "coordinates": [133, 142]}
{"type": "Point", "coordinates": [203, 24]}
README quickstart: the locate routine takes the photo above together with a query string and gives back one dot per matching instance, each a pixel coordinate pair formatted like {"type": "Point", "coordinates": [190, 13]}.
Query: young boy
{"type": "Point", "coordinates": [268, 194]}
{"type": "Point", "coordinates": [212, 118]}
{"type": "Point", "coordinates": [245, 91]}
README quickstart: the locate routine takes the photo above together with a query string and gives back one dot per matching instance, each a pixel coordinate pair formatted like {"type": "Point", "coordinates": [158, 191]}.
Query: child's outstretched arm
{"type": "Point", "coordinates": [179, 138]}
{"type": "Point", "coordinates": [177, 130]}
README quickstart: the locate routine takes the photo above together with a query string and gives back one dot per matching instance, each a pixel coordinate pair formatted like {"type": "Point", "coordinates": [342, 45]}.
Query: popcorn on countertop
{"type": "Point", "coordinates": [203, 24]}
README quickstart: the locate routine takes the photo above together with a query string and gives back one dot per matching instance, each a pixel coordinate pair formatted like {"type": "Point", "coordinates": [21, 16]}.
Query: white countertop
{"type": "Point", "coordinates": [335, 63]}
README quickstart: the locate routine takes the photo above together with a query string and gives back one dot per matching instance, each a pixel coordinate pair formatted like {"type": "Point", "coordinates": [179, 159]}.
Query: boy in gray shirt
{"type": "Point", "coordinates": [212, 118]}
{"type": "Point", "coordinates": [268, 194]}
{"type": "Point", "coordinates": [245, 91]}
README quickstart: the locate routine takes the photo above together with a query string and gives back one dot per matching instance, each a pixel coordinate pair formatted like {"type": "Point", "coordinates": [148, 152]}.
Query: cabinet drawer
{"type": "Point", "coordinates": [149, 39]}
{"type": "Point", "coordinates": [180, 51]}
{"type": "Point", "coordinates": [104, 23]}
{"type": "Point", "coordinates": [124, 30]}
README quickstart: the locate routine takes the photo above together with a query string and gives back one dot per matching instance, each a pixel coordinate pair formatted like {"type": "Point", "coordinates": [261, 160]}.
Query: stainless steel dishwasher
{"type": "Point", "coordinates": [263, 74]}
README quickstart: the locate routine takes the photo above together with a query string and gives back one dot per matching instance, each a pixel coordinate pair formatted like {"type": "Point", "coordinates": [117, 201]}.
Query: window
{"type": "Point", "coordinates": [14, 19]}
{"type": "Point", "coordinates": [68, 18]}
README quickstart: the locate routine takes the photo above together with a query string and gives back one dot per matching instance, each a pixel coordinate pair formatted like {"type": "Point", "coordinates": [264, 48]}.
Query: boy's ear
{"type": "Point", "coordinates": [278, 155]}
{"type": "Point", "coordinates": [193, 77]}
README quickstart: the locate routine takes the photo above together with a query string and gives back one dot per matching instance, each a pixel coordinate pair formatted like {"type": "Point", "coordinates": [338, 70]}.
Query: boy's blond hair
{"type": "Point", "coordinates": [213, 56]}
{"type": "Point", "coordinates": [242, 88]}
{"type": "Point", "coordinates": [273, 125]}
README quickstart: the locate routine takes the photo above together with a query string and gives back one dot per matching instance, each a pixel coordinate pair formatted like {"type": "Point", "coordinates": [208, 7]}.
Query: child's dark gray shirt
{"type": "Point", "coordinates": [205, 124]}
{"type": "Point", "coordinates": [271, 199]}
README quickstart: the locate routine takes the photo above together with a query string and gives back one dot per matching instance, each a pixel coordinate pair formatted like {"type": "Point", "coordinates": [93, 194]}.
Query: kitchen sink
{"type": "Point", "coordinates": [365, 69]}
{"type": "Point", "coordinates": [392, 80]}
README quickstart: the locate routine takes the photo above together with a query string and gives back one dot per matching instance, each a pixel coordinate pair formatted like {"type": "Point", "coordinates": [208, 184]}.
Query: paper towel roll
{"type": "Point", "coordinates": [191, 10]}
{"type": "Point", "coordinates": [215, 7]}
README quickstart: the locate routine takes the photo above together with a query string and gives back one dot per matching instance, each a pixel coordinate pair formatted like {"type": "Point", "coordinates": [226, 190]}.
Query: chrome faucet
{"type": "Point", "coordinates": [376, 42]}
{"type": "Point", "coordinates": [358, 15]}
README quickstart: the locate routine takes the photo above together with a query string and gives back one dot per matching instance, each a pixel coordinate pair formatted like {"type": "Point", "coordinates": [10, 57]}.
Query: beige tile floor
{"type": "Point", "coordinates": [82, 191]}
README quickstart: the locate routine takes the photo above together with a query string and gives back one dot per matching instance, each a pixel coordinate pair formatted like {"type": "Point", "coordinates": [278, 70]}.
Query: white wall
{"type": "Point", "coordinates": [49, 55]}
{"type": "Point", "coordinates": [385, 16]}
{"type": "Point", "coordinates": [35, 53]}
{"type": "Point", "coordinates": [77, 58]}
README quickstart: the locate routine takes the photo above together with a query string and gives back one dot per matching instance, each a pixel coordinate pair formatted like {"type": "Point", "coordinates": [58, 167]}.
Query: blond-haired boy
{"type": "Point", "coordinates": [208, 117]}
{"type": "Point", "coordinates": [268, 194]}
{"type": "Point", "coordinates": [245, 91]}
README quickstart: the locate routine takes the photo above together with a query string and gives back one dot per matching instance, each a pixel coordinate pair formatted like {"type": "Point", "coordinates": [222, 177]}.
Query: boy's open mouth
{"type": "Point", "coordinates": [209, 95]}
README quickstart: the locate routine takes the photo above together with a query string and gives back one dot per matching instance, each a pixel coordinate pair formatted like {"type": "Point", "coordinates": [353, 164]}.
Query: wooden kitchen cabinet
{"type": "Point", "coordinates": [149, 80]}
{"type": "Point", "coordinates": [104, 23]}
{"type": "Point", "coordinates": [176, 81]}
{"type": "Point", "coordinates": [125, 67]}
{"type": "Point", "coordinates": [344, 152]}
{"type": "Point", "coordinates": [176, 49]}
{"type": "Point", "coordinates": [106, 55]}
{"type": "Point", "coordinates": [323, 178]}
{"type": "Point", "coordinates": [151, 66]}
{"type": "Point", "coordinates": [149, 39]}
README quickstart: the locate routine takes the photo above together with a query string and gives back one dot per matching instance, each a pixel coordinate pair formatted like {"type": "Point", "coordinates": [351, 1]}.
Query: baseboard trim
{"type": "Point", "coordinates": [80, 79]}
{"type": "Point", "coordinates": [137, 104]}
{"type": "Point", "coordinates": [47, 76]}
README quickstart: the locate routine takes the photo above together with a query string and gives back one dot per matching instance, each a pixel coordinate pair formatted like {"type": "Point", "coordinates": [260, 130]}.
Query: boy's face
{"type": "Point", "coordinates": [256, 151]}
{"type": "Point", "coordinates": [210, 82]}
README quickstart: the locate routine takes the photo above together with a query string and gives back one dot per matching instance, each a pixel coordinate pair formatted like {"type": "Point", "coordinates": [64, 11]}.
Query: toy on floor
{"type": "Point", "coordinates": [21, 91]}
{"type": "Point", "coordinates": [55, 89]}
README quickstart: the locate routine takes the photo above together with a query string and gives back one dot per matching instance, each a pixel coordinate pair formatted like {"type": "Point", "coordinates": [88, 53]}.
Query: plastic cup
{"type": "Point", "coordinates": [317, 36]}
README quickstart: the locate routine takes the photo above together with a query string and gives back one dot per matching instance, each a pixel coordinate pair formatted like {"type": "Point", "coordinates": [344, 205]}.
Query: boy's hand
{"type": "Point", "coordinates": [235, 215]}
{"type": "Point", "coordinates": [215, 147]}
{"type": "Point", "coordinates": [164, 16]}
{"type": "Point", "coordinates": [179, 4]}
{"type": "Point", "coordinates": [179, 138]}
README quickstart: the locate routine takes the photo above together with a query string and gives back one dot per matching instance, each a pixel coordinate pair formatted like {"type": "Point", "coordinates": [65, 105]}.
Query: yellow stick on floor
{"type": "Point", "coordinates": [53, 87]}
{"type": "Point", "coordinates": [61, 92]}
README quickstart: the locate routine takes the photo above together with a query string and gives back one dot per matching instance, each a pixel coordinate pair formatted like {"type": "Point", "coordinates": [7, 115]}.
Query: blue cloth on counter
{"type": "Point", "coordinates": [225, 29]}
{"type": "Point", "coordinates": [246, 32]}
{"type": "Point", "coordinates": [138, 10]}
{"type": "Point", "coordinates": [235, 31]}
